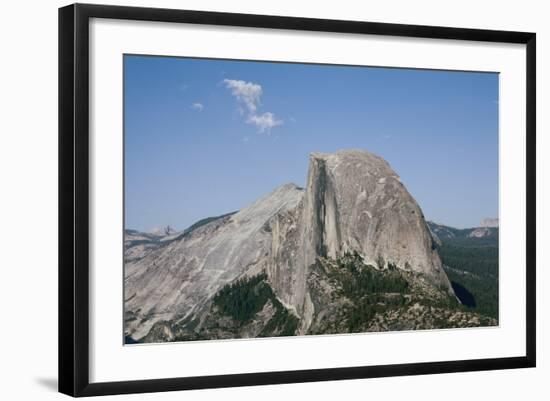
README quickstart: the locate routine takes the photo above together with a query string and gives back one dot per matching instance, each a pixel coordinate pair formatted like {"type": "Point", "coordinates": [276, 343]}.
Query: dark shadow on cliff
{"type": "Point", "coordinates": [465, 296]}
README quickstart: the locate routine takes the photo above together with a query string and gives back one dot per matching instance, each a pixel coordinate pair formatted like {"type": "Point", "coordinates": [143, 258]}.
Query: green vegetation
{"type": "Point", "coordinates": [357, 279]}
{"type": "Point", "coordinates": [246, 297]}
{"type": "Point", "coordinates": [479, 260]}
{"type": "Point", "coordinates": [283, 322]}
{"type": "Point", "coordinates": [370, 290]}
{"type": "Point", "coordinates": [475, 268]}
{"type": "Point", "coordinates": [463, 240]}
{"type": "Point", "coordinates": [483, 289]}
{"type": "Point", "coordinates": [364, 309]}
{"type": "Point", "coordinates": [471, 263]}
{"type": "Point", "coordinates": [371, 299]}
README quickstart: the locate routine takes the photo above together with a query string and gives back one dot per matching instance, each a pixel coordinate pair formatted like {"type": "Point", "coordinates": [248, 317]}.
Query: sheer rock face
{"type": "Point", "coordinates": [353, 201]}
{"type": "Point", "coordinates": [358, 203]}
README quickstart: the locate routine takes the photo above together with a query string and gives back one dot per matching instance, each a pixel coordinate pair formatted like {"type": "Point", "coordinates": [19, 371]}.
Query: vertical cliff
{"type": "Point", "coordinates": [353, 201]}
{"type": "Point", "coordinates": [356, 202]}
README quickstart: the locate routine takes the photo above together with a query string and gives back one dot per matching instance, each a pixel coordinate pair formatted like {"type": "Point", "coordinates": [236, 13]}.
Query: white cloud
{"type": "Point", "coordinates": [264, 122]}
{"type": "Point", "coordinates": [197, 106]}
{"type": "Point", "coordinates": [249, 95]}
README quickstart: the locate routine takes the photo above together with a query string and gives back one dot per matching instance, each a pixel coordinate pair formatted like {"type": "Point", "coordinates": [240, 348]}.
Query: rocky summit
{"type": "Point", "coordinates": [349, 252]}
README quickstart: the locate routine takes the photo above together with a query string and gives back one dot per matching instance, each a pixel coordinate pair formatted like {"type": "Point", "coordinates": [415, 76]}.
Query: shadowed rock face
{"type": "Point", "coordinates": [353, 201]}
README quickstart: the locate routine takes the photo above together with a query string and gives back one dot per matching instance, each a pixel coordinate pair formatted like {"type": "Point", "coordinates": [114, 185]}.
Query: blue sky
{"type": "Point", "coordinates": [206, 137]}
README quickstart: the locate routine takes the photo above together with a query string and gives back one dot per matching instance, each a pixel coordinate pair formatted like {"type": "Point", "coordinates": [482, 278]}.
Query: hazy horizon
{"type": "Point", "coordinates": [207, 137]}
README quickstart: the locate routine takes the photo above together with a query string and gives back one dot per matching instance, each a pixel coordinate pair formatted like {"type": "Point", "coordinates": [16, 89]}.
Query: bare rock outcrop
{"type": "Point", "coordinates": [490, 222]}
{"type": "Point", "coordinates": [180, 278]}
{"type": "Point", "coordinates": [356, 202]}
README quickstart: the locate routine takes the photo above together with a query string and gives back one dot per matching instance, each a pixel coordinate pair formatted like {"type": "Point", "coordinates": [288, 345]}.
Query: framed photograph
{"type": "Point", "coordinates": [250, 199]}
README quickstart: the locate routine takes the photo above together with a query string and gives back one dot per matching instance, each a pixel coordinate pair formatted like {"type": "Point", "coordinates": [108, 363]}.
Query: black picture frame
{"type": "Point", "coordinates": [74, 198]}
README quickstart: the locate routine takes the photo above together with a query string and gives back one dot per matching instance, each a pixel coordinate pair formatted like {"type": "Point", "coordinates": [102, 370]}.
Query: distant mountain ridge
{"type": "Point", "coordinates": [163, 231]}
{"type": "Point", "coordinates": [490, 222]}
{"type": "Point", "coordinates": [441, 233]}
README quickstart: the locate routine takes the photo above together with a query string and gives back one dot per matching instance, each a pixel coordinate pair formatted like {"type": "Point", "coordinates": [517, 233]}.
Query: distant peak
{"type": "Point", "coordinates": [489, 222]}
{"type": "Point", "coordinates": [163, 231]}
